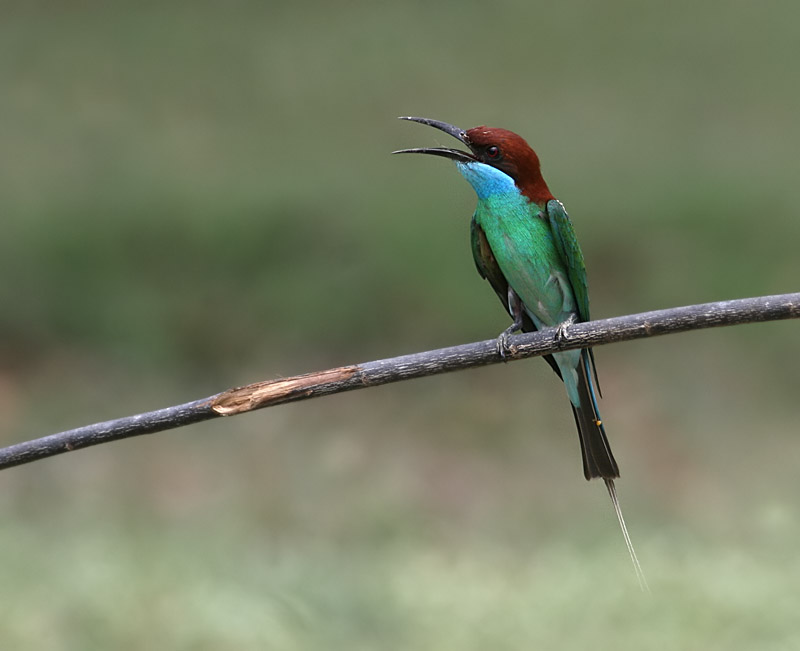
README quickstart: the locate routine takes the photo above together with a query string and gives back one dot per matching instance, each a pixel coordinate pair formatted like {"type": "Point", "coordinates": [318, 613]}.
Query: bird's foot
{"type": "Point", "coordinates": [561, 328]}
{"type": "Point", "coordinates": [505, 349]}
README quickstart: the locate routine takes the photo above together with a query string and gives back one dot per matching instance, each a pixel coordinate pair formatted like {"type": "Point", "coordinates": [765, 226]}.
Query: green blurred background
{"type": "Point", "coordinates": [195, 195]}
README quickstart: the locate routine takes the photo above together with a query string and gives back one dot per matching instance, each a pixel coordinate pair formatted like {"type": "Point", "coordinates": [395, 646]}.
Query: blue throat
{"type": "Point", "coordinates": [487, 180]}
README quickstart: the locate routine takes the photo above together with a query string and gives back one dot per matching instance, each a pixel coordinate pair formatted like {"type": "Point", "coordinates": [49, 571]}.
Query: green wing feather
{"type": "Point", "coordinates": [486, 262]}
{"type": "Point", "coordinates": [477, 255]}
{"type": "Point", "coordinates": [570, 252]}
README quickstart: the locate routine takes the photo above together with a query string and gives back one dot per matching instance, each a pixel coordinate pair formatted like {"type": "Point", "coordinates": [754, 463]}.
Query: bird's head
{"type": "Point", "coordinates": [498, 160]}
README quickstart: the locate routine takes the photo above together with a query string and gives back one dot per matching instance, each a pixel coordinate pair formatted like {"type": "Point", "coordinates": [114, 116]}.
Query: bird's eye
{"type": "Point", "coordinates": [493, 152]}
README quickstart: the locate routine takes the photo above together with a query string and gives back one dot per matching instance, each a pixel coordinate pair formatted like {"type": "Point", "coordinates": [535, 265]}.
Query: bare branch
{"type": "Point", "coordinates": [406, 367]}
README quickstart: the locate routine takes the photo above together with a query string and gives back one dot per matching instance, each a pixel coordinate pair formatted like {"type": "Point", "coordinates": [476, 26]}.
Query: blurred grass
{"type": "Point", "coordinates": [200, 195]}
{"type": "Point", "coordinates": [232, 593]}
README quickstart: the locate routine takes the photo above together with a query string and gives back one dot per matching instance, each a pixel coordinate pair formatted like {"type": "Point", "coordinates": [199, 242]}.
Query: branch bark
{"type": "Point", "coordinates": [358, 376]}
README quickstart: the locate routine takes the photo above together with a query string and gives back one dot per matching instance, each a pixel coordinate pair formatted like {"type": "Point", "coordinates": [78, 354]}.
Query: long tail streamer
{"type": "Point", "coordinates": [612, 491]}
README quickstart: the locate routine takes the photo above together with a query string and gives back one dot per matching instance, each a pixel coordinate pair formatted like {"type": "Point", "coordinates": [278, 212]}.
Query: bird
{"type": "Point", "coordinates": [525, 246]}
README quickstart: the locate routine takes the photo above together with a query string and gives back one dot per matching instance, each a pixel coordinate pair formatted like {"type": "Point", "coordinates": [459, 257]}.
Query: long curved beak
{"type": "Point", "coordinates": [446, 152]}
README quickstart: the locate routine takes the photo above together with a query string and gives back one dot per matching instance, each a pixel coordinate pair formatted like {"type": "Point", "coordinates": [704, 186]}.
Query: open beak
{"type": "Point", "coordinates": [446, 152]}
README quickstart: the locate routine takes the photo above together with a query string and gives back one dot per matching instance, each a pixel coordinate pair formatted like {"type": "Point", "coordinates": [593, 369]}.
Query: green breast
{"type": "Point", "coordinates": [526, 253]}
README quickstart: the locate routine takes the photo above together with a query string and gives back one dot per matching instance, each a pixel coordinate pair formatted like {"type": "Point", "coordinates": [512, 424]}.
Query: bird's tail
{"type": "Point", "coordinates": [598, 461]}
{"type": "Point", "coordinates": [612, 491]}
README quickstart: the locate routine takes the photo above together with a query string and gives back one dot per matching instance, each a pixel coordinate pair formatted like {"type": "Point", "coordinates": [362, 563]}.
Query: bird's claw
{"type": "Point", "coordinates": [505, 349]}
{"type": "Point", "coordinates": [561, 329]}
